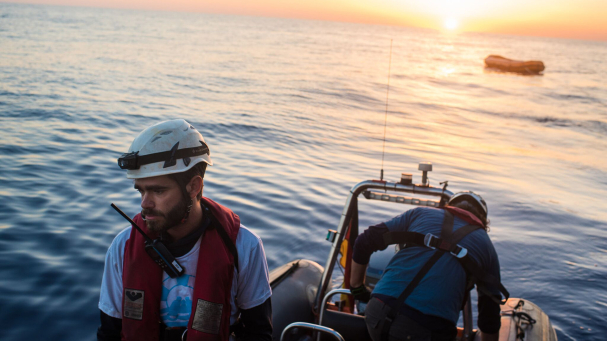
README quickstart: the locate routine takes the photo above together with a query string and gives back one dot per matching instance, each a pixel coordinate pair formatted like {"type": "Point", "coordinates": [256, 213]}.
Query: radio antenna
{"type": "Point", "coordinates": [383, 152]}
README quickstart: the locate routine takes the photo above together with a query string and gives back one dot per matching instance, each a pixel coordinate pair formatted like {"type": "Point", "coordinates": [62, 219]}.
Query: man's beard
{"type": "Point", "coordinates": [171, 219]}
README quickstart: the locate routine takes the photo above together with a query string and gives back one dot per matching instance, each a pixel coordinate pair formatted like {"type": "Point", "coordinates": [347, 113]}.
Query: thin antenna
{"type": "Point", "coordinates": [383, 152]}
{"type": "Point", "coordinates": [145, 236]}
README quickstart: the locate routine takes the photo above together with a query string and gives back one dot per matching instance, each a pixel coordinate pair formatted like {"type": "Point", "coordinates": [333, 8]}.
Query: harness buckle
{"type": "Point", "coordinates": [433, 242]}
{"type": "Point", "coordinates": [428, 240]}
{"type": "Point", "coordinates": [459, 252]}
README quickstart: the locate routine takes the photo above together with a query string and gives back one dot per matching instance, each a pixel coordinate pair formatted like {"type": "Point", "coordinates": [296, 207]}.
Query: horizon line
{"type": "Point", "coordinates": [304, 19]}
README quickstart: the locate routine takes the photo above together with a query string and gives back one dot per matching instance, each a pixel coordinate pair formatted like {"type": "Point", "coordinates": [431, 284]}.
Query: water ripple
{"type": "Point", "coordinates": [294, 114]}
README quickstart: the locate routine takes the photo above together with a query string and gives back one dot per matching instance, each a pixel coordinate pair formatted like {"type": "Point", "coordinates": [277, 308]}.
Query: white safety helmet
{"type": "Point", "coordinates": [467, 195]}
{"type": "Point", "coordinates": [165, 148]}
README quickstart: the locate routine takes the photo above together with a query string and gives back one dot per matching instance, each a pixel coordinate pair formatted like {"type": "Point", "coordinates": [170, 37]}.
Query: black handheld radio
{"type": "Point", "coordinates": [159, 253]}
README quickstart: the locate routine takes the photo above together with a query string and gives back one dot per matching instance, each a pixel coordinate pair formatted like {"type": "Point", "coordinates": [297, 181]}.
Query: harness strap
{"type": "Point", "coordinates": [447, 243]}
{"type": "Point", "coordinates": [403, 238]}
{"type": "Point", "coordinates": [224, 236]}
{"type": "Point", "coordinates": [446, 228]}
{"type": "Point", "coordinates": [470, 280]}
{"type": "Point", "coordinates": [417, 239]}
{"type": "Point", "coordinates": [408, 290]}
{"type": "Point", "coordinates": [228, 242]}
{"type": "Point", "coordinates": [478, 276]}
{"type": "Point", "coordinates": [462, 232]}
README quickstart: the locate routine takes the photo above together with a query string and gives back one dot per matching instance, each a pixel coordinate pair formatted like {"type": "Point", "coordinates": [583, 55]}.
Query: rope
{"type": "Point", "coordinates": [522, 320]}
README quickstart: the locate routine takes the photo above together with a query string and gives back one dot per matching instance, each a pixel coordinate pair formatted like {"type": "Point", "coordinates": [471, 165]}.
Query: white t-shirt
{"type": "Point", "coordinates": [250, 285]}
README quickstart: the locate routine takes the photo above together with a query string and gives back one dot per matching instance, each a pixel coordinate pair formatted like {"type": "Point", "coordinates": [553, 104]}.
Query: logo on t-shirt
{"type": "Point", "coordinates": [176, 300]}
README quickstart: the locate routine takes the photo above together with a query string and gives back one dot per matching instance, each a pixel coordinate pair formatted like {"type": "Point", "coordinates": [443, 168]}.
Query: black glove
{"type": "Point", "coordinates": [361, 293]}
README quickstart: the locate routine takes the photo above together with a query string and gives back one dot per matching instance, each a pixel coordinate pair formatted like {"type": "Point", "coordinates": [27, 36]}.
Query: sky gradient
{"type": "Point", "coordinates": [575, 19]}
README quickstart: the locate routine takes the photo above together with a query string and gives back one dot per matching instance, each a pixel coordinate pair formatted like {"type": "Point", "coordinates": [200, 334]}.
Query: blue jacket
{"type": "Point", "coordinates": [442, 291]}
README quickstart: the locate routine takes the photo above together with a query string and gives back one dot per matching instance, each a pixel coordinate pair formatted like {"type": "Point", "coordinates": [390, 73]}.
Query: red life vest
{"type": "Point", "coordinates": [142, 284]}
{"type": "Point", "coordinates": [465, 215]}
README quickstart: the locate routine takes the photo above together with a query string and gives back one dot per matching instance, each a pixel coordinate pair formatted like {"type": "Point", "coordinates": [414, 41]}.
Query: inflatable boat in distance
{"type": "Point", "coordinates": [495, 62]}
{"type": "Point", "coordinates": [312, 303]}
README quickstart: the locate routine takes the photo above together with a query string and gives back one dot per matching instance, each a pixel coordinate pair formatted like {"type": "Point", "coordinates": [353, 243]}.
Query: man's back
{"type": "Point", "coordinates": [442, 291]}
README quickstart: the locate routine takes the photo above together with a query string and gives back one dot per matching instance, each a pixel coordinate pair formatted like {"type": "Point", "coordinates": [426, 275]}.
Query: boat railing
{"type": "Point", "coordinates": [311, 326]}
{"type": "Point", "coordinates": [326, 299]}
{"type": "Point", "coordinates": [365, 188]}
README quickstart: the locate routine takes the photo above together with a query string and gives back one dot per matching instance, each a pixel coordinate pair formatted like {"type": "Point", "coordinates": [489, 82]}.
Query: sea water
{"type": "Point", "coordinates": [294, 113]}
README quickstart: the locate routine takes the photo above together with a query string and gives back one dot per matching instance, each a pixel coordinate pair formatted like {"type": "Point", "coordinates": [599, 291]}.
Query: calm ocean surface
{"type": "Point", "coordinates": [293, 112]}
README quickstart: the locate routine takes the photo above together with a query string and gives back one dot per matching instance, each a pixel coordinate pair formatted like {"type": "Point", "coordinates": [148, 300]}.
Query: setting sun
{"type": "Point", "coordinates": [451, 24]}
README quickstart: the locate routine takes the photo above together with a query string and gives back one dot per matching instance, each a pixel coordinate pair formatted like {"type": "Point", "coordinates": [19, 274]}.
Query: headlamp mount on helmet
{"type": "Point", "coordinates": [165, 148]}
{"type": "Point", "coordinates": [133, 160]}
{"type": "Point", "coordinates": [128, 160]}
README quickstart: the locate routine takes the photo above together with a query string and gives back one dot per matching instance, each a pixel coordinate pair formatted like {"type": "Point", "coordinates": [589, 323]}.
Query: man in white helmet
{"type": "Point", "coordinates": [218, 284]}
{"type": "Point", "coordinates": [446, 251]}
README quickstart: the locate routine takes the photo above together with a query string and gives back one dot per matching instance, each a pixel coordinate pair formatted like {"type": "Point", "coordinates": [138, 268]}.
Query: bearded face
{"type": "Point", "coordinates": [164, 221]}
{"type": "Point", "coordinates": [162, 203]}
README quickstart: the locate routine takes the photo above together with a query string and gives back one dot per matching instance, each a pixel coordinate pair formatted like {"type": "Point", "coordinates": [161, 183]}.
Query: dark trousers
{"type": "Point", "coordinates": [403, 328]}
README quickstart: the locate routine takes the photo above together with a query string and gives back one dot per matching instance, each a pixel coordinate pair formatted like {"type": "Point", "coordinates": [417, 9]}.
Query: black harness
{"type": "Point", "coordinates": [447, 243]}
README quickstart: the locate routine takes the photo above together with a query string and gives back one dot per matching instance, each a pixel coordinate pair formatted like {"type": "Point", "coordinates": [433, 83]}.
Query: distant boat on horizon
{"type": "Point", "coordinates": [500, 63]}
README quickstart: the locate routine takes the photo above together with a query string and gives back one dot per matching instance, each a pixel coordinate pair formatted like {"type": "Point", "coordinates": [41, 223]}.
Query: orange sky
{"type": "Point", "coordinates": [578, 19]}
